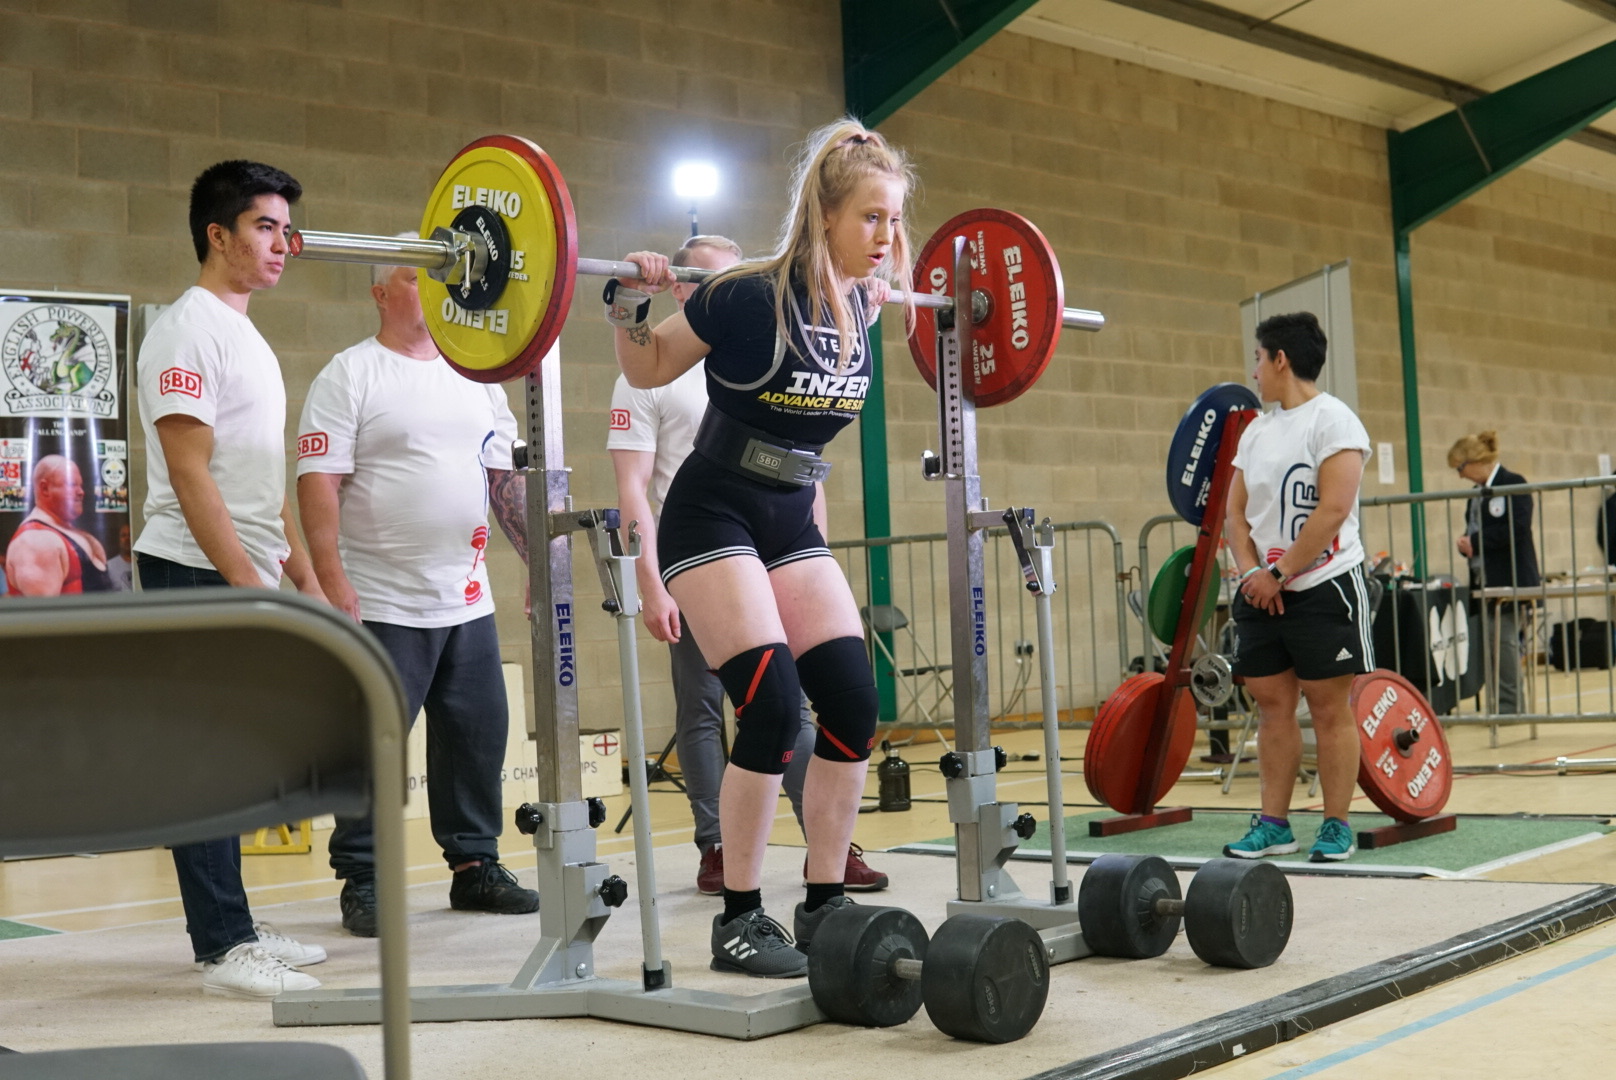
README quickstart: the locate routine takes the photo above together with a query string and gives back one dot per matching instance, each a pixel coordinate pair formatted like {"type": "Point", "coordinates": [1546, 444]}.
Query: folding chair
{"type": "Point", "coordinates": [924, 676]}
{"type": "Point", "coordinates": [187, 716]}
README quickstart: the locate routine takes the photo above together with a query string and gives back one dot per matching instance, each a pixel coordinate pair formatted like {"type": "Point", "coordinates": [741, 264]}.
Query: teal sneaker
{"type": "Point", "coordinates": [1334, 842]}
{"type": "Point", "coordinates": [1264, 838]}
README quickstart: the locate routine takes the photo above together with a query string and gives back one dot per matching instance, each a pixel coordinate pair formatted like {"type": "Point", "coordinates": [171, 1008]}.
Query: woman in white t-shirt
{"type": "Point", "coordinates": [1302, 613]}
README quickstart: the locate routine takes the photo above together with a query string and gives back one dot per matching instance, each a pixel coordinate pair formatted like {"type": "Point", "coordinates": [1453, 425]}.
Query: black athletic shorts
{"type": "Point", "coordinates": [712, 513]}
{"type": "Point", "coordinates": [1324, 632]}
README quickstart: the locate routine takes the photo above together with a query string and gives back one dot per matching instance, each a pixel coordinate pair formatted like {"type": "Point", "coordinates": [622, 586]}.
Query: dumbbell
{"type": "Point", "coordinates": [1238, 913]}
{"type": "Point", "coordinates": [982, 978]}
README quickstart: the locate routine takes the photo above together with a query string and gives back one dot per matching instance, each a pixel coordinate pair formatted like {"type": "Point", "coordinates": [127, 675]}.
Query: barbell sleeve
{"type": "Point", "coordinates": [440, 255]}
{"type": "Point", "coordinates": [375, 250]}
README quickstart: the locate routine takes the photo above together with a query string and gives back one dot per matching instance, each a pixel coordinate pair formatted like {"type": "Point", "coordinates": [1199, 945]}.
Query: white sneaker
{"type": "Point", "coordinates": [247, 971]}
{"type": "Point", "coordinates": [291, 952]}
{"type": "Point", "coordinates": [294, 953]}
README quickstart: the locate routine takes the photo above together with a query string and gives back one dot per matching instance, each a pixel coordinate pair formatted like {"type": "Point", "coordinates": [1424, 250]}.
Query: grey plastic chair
{"type": "Point", "coordinates": [186, 716]}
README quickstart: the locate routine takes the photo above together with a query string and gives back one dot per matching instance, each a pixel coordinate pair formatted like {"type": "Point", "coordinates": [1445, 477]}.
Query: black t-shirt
{"type": "Point", "coordinates": [792, 389]}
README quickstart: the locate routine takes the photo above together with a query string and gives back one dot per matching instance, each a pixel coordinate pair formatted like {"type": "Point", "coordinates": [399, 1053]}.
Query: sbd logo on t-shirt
{"type": "Point", "coordinates": [179, 381]}
{"type": "Point", "coordinates": [314, 444]}
{"type": "Point", "coordinates": [621, 420]}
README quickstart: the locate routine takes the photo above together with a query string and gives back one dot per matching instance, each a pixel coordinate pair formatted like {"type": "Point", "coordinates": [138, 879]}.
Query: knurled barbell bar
{"type": "Point", "coordinates": [499, 240]}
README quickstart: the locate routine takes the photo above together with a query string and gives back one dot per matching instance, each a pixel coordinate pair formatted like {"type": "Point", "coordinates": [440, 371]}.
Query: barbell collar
{"type": "Point", "coordinates": [440, 256]}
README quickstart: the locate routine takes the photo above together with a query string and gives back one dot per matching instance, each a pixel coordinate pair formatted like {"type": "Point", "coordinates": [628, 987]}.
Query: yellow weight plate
{"type": "Point", "coordinates": [519, 183]}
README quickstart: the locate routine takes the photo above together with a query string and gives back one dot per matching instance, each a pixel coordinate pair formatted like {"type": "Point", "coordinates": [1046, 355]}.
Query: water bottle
{"type": "Point", "coordinates": [893, 777]}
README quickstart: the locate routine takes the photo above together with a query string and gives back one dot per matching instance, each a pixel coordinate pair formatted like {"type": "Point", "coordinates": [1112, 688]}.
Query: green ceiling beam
{"type": "Point", "coordinates": [1444, 161]}
{"type": "Point", "coordinates": [894, 49]}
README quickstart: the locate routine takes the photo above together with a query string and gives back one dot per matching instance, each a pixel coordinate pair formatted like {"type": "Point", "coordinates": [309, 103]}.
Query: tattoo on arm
{"type": "Point", "coordinates": [640, 335]}
{"type": "Point", "coordinates": [507, 492]}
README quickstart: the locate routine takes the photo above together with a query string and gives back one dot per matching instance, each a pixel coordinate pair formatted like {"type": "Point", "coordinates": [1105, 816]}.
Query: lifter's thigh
{"type": "Point", "coordinates": [815, 603]}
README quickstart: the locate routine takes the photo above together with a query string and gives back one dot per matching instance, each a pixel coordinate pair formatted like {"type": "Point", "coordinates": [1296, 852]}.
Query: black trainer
{"type": "Point", "coordinates": [488, 886]}
{"type": "Point", "coordinates": [804, 923]}
{"type": "Point", "coordinates": [754, 944]}
{"type": "Point", "coordinates": [358, 902]}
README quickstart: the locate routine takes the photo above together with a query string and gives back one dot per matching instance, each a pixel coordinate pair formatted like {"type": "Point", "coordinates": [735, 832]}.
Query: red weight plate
{"type": "Point", "coordinates": [1015, 266]}
{"type": "Point", "coordinates": [1405, 768]}
{"type": "Point", "coordinates": [1105, 724]}
{"type": "Point", "coordinates": [1114, 760]}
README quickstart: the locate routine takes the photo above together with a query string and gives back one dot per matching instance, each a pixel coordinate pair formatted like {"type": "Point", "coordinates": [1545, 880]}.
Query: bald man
{"type": "Point", "coordinates": [48, 556]}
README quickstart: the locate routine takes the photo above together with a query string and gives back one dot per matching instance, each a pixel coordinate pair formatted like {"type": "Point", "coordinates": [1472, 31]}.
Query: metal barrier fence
{"type": "Point", "coordinates": [1459, 644]}
{"type": "Point", "coordinates": [909, 632]}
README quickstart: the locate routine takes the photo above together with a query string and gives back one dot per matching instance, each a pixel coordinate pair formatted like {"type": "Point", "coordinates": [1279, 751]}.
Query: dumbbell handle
{"type": "Point", "coordinates": [1165, 906]}
{"type": "Point", "coordinates": [907, 968]}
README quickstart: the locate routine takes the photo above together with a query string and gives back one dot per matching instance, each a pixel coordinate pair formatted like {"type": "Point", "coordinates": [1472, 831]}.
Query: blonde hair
{"type": "Point", "coordinates": [834, 160]}
{"type": "Point", "coordinates": [1481, 448]}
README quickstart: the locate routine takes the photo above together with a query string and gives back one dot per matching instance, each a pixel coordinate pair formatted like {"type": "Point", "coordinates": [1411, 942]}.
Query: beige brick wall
{"type": "Point", "coordinates": [1168, 201]}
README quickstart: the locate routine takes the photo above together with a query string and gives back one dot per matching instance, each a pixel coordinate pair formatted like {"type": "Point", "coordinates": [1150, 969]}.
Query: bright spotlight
{"type": "Point", "coordinates": [695, 180]}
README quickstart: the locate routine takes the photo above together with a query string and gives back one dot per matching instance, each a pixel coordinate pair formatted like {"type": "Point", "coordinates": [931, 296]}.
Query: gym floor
{"type": "Point", "coordinates": [1544, 992]}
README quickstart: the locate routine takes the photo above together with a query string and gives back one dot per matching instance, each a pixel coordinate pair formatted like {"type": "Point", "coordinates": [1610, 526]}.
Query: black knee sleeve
{"type": "Point", "coordinates": [762, 684]}
{"type": "Point", "coordinates": [841, 687]}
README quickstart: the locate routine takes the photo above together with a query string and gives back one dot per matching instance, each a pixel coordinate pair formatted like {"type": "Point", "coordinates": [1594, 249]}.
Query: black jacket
{"type": "Point", "coordinates": [1504, 541]}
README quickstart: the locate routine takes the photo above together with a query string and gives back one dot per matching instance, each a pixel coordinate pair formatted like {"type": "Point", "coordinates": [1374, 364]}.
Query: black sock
{"type": "Point", "coordinates": [737, 904]}
{"type": "Point", "coordinates": [818, 894]}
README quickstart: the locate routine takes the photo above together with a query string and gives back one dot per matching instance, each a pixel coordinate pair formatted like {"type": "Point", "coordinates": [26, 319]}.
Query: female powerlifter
{"type": "Point", "coordinates": [787, 350]}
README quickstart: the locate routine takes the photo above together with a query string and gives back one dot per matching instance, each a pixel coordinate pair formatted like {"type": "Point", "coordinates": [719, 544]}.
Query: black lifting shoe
{"type": "Point", "coordinates": [805, 923]}
{"type": "Point", "coordinates": [358, 902]}
{"type": "Point", "coordinates": [754, 944]}
{"type": "Point", "coordinates": [488, 886]}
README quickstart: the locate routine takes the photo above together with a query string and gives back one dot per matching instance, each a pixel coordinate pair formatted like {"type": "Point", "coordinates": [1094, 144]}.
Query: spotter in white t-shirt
{"type": "Point", "coordinates": [412, 439]}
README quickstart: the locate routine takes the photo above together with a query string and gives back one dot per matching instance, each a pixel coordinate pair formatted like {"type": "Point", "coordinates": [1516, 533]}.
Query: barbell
{"type": "Point", "coordinates": [499, 261]}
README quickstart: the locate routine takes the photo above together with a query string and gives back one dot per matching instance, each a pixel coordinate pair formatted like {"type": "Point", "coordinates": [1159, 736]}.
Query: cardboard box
{"type": "Point", "coordinates": [600, 754]}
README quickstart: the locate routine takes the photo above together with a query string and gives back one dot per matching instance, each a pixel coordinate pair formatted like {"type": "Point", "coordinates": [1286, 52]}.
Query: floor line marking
{"type": "Point", "coordinates": [1533, 853]}
{"type": "Point", "coordinates": [1330, 1061]}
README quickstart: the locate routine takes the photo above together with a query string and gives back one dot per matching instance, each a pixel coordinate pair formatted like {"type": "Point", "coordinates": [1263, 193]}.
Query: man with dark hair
{"type": "Point", "coordinates": [1302, 613]}
{"type": "Point", "coordinates": [224, 192]}
{"type": "Point", "coordinates": [1300, 337]}
{"type": "Point", "coordinates": [213, 407]}
{"type": "Point", "coordinates": [398, 460]}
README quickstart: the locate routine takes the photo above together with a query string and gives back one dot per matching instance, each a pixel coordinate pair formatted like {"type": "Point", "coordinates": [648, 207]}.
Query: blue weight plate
{"type": "Point", "coordinates": [1193, 453]}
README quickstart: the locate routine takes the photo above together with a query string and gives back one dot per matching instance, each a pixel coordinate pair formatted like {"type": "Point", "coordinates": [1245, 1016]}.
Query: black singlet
{"type": "Point", "coordinates": [794, 389]}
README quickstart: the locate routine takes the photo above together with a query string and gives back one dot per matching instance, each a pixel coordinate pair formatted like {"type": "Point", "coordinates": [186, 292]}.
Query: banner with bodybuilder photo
{"type": "Point", "coordinates": [64, 443]}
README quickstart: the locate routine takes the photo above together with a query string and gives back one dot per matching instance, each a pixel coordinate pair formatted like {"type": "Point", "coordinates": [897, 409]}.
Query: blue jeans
{"type": "Point", "coordinates": [216, 913]}
{"type": "Point", "coordinates": [454, 671]}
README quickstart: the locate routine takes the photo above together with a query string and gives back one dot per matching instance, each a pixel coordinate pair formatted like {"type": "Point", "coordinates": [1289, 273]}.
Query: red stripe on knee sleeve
{"type": "Point", "coordinates": [839, 744]}
{"type": "Point", "coordinates": [757, 677]}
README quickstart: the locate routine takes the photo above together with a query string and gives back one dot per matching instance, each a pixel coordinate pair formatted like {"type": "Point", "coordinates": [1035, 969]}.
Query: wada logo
{"type": "Point", "coordinates": [57, 359]}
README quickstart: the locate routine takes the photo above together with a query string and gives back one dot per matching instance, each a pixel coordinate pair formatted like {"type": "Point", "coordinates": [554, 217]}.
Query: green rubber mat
{"type": "Point", "coordinates": [9, 929]}
{"type": "Point", "coordinates": [1479, 843]}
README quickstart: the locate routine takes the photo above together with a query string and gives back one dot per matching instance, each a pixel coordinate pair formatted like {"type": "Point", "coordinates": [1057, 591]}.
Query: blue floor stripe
{"type": "Point", "coordinates": [1442, 1017]}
